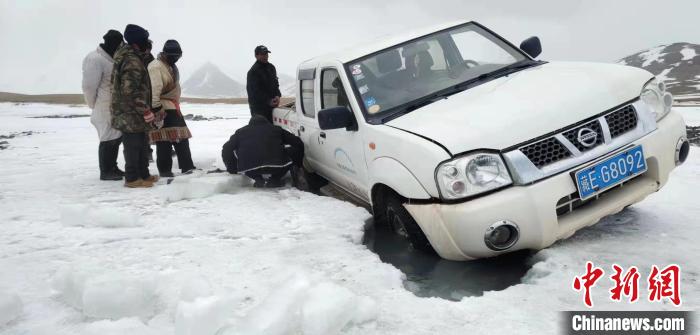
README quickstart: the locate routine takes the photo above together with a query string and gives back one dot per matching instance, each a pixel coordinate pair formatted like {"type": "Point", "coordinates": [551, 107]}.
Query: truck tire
{"type": "Point", "coordinates": [402, 223]}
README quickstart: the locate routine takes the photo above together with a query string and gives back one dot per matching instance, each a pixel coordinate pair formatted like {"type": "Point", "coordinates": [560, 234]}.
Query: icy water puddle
{"type": "Point", "coordinates": [431, 276]}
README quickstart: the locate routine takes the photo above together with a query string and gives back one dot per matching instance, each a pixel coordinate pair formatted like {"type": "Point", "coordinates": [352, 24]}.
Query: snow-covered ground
{"type": "Point", "coordinates": [209, 254]}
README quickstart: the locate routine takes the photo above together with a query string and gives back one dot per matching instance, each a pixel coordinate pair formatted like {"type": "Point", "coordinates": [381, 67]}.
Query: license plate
{"type": "Point", "coordinates": [610, 172]}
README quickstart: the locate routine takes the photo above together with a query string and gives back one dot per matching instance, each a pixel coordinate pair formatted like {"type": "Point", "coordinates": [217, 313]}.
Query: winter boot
{"type": "Point", "coordinates": [110, 176]}
{"type": "Point", "coordinates": [191, 171]}
{"type": "Point", "coordinates": [166, 174]}
{"type": "Point", "coordinates": [152, 179]}
{"type": "Point", "coordinates": [259, 183]}
{"type": "Point", "coordinates": [138, 183]}
{"type": "Point", "coordinates": [297, 178]}
{"type": "Point", "coordinates": [274, 183]}
{"type": "Point", "coordinates": [118, 172]}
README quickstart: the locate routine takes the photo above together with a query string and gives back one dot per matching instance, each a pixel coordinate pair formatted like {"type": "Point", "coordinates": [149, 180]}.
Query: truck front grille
{"type": "Point", "coordinates": [621, 121]}
{"type": "Point", "coordinates": [545, 152]}
{"type": "Point", "coordinates": [566, 143]}
{"type": "Point", "coordinates": [572, 135]}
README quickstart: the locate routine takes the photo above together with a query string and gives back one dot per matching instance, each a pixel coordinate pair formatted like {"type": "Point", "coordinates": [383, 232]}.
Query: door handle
{"type": "Point", "coordinates": [301, 128]}
{"type": "Point", "coordinates": [322, 134]}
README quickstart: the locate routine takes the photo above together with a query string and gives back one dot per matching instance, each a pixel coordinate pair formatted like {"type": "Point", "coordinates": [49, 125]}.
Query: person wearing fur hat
{"type": "Point", "coordinates": [131, 105]}
{"type": "Point", "coordinates": [97, 90]}
{"type": "Point", "coordinates": [172, 131]}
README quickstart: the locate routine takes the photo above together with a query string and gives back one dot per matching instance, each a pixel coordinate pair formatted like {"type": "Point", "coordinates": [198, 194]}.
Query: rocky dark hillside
{"type": "Point", "coordinates": [678, 64]}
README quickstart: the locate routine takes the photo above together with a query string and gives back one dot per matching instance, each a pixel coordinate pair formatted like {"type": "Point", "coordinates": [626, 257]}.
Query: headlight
{"type": "Point", "coordinates": [655, 96]}
{"type": "Point", "coordinates": [470, 175]}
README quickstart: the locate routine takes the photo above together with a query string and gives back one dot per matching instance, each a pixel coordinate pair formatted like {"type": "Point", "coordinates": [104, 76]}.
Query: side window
{"type": "Point", "coordinates": [307, 98]}
{"type": "Point", "coordinates": [333, 93]}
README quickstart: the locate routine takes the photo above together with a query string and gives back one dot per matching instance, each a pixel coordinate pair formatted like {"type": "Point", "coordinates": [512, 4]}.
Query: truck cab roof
{"type": "Point", "coordinates": [364, 49]}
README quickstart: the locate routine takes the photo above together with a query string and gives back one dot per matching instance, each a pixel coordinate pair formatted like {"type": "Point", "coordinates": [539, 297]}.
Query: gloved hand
{"type": "Point", "coordinates": [148, 116]}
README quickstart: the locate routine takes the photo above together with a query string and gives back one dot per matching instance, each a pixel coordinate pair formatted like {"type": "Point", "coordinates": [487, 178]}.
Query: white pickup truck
{"type": "Point", "coordinates": [468, 145]}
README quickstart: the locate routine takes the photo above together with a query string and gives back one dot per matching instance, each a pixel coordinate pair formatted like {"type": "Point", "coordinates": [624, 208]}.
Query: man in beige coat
{"type": "Point", "coordinates": [173, 131]}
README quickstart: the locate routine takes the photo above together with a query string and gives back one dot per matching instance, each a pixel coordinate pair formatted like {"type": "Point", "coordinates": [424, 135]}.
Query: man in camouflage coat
{"type": "Point", "coordinates": [131, 102]}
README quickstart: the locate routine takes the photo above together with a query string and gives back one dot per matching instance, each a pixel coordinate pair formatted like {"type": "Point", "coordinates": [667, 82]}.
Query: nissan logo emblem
{"type": "Point", "coordinates": [587, 137]}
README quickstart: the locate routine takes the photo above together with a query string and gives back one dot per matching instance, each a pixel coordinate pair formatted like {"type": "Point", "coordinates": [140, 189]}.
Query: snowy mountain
{"type": "Point", "coordinates": [678, 64]}
{"type": "Point", "coordinates": [210, 82]}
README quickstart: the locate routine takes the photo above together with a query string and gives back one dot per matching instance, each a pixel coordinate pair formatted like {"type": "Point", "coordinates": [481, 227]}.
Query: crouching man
{"type": "Point", "coordinates": [258, 150]}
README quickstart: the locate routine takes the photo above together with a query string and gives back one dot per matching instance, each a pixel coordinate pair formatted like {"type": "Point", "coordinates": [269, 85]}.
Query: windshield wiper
{"type": "Point", "coordinates": [411, 107]}
{"type": "Point", "coordinates": [493, 74]}
{"type": "Point", "coordinates": [443, 94]}
{"type": "Point", "coordinates": [505, 69]}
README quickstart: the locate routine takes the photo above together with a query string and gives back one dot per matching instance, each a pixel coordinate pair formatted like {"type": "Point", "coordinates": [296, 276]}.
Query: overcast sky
{"type": "Point", "coordinates": [44, 41]}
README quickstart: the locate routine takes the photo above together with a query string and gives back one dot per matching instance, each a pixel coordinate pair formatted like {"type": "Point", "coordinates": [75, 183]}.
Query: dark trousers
{"type": "Point", "coordinates": [276, 173]}
{"type": "Point", "coordinates": [164, 150]}
{"type": "Point", "coordinates": [107, 153]}
{"type": "Point", "coordinates": [231, 161]}
{"type": "Point", "coordinates": [136, 156]}
{"type": "Point", "coordinates": [265, 111]}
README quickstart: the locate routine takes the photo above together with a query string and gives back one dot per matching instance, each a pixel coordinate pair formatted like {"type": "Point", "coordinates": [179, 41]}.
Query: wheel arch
{"type": "Point", "coordinates": [388, 174]}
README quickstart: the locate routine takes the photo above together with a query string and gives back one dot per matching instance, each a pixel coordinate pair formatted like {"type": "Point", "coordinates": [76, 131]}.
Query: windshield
{"type": "Point", "coordinates": [397, 77]}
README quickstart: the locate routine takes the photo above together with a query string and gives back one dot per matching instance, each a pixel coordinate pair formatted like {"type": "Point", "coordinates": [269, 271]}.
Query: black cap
{"type": "Point", "coordinates": [261, 49]}
{"type": "Point", "coordinates": [134, 34]}
{"type": "Point", "coordinates": [113, 37]}
{"type": "Point", "coordinates": [172, 47]}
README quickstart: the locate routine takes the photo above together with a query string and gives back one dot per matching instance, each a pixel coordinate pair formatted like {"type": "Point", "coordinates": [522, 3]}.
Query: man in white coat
{"type": "Point", "coordinates": [97, 89]}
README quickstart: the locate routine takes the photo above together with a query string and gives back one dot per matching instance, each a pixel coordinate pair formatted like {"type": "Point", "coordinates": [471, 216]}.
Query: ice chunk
{"type": "Point", "coordinates": [195, 287]}
{"type": "Point", "coordinates": [118, 327]}
{"type": "Point", "coordinates": [366, 310]}
{"type": "Point", "coordinates": [195, 188]}
{"type": "Point", "coordinates": [69, 284]}
{"type": "Point", "coordinates": [10, 307]}
{"type": "Point", "coordinates": [300, 307]}
{"type": "Point", "coordinates": [85, 215]}
{"type": "Point", "coordinates": [203, 316]}
{"type": "Point", "coordinates": [278, 314]}
{"type": "Point", "coordinates": [114, 297]}
{"type": "Point", "coordinates": [106, 295]}
{"type": "Point", "coordinates": [327, 309]}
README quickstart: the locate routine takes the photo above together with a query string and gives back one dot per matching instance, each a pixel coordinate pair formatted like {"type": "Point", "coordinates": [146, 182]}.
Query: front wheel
{"type": "Point", "coordinates": [403, 224]}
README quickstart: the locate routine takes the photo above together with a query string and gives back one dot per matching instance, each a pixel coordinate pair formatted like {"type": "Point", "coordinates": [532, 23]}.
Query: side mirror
{"type": "Point", "coordinates": [532, 46]}
{"type": "Point", "coordinates": [336, 118]}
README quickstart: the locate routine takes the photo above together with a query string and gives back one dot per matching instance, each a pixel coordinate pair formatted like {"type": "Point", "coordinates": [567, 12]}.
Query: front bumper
{"type": "Point", "coordinates": [456, 231]}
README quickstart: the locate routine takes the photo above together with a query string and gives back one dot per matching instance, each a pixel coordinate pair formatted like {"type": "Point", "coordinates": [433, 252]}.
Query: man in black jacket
{"type": "Point", "coordinates": [262, 85]}
{"type": "Point", "coordinates": [258, 149]}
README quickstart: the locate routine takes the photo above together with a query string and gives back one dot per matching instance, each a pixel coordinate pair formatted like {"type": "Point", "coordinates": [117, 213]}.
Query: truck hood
{"type": "Point", "coordinates": [524, 105]}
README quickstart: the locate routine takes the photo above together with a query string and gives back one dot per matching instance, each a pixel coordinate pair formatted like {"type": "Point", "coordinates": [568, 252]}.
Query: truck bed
{"type": "Point", "coordinates": [287, 118]}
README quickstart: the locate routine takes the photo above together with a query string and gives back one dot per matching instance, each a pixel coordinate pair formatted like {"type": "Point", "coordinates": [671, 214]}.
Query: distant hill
{"type": "Point", "coordinates": [77, 99]}
{"type": "Point", "coordinates": [210, 82]}
{"type": "Point", "coordinates": [678, 64]}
